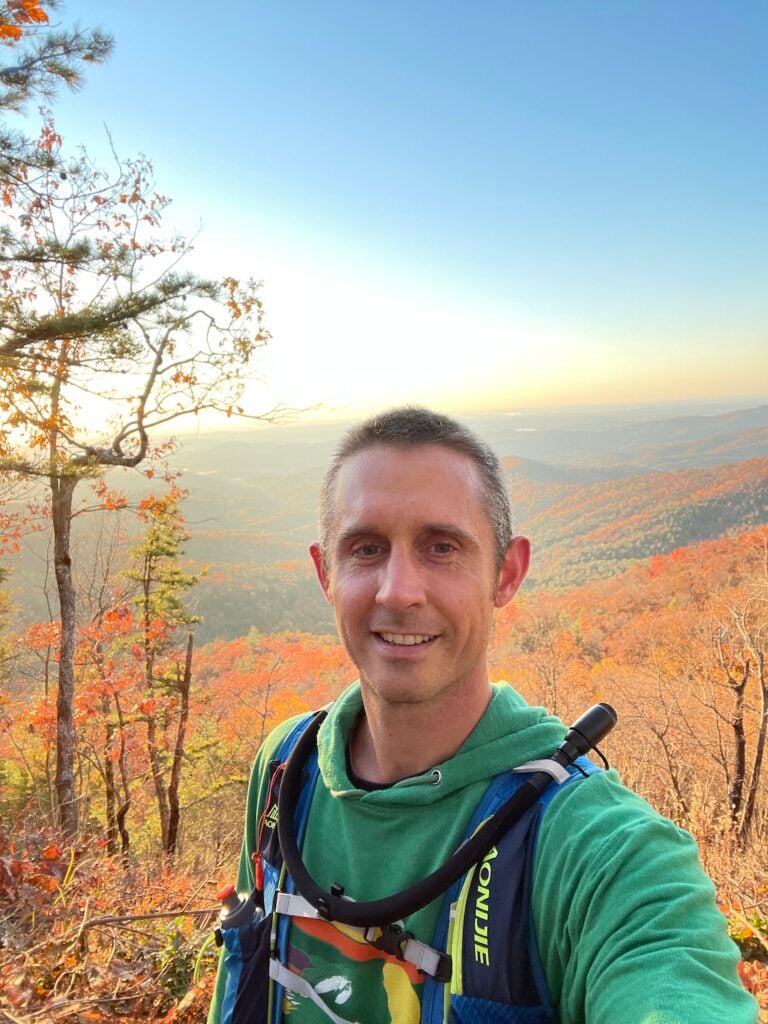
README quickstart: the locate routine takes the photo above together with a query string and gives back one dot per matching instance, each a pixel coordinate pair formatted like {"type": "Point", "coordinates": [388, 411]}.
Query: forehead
{"type": "Point", "coordinates": [421, 484]}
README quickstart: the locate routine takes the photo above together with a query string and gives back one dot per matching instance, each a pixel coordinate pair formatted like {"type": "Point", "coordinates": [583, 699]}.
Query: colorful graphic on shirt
{"type": "Point", "coordinates": [357, 981]}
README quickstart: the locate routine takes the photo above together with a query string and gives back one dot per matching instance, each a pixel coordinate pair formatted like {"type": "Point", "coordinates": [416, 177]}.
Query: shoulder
{"type": "Point", "coordinates": [271, 747]}
{"type": "Point", "coordinates": [600, 825]}
{"type": "Point", "coordinates": [622, 907]}
{"type": "Point", "coordinates": [602, 803]}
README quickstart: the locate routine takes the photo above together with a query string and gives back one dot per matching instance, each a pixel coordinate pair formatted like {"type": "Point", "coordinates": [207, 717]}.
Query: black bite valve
{"type": "Point", "coordinates": [585, 733]}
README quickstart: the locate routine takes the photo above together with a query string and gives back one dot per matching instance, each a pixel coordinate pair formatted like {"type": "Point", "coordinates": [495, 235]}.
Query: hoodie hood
{"type": "Point", "coordinates": [509, 733]}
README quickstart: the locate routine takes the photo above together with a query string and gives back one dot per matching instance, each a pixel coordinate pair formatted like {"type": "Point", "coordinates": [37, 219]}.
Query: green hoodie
{"type": "Point", "coordinates": [625, 919]}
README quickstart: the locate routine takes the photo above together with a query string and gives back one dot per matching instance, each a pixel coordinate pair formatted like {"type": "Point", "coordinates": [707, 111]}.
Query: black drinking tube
{"type": "Point", "coordinates": [586, 733]}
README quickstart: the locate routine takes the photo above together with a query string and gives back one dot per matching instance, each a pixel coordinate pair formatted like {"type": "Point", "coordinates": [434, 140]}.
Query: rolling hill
{"type": "Point", "coordinates": [595, 493]}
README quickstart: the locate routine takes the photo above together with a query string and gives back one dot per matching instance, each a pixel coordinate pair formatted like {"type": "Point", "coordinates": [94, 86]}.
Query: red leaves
{"type": "Point", "coordinates": [26, 874]}
{"type": "Point", "coordinates": [42, 635]}
{"type": "Point", "coordinates": [49, 139]}
{"type": "Point", "coordinates": [27, 12]}
{"type": "Point", "coordinates": [118, 621]}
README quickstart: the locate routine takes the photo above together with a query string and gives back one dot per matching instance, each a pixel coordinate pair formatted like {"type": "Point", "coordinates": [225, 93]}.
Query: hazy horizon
{"type": "Point", "coordinates": [498, 206]}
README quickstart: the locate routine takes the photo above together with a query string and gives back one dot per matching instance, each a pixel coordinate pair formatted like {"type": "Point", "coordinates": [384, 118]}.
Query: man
{"type": "Point", "coordinates": [416, 553]}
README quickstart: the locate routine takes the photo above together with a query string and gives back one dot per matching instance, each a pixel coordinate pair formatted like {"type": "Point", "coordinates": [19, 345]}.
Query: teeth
{"type": "Point", "coordinates": [405, 639]}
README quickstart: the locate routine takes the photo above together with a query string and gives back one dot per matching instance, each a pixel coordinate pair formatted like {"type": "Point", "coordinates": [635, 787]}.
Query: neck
{"type": "Point", "coordinates": [393, 741]}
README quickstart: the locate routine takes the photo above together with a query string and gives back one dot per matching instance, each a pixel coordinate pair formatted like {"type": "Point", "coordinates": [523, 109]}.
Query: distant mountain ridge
{"type": "Point", "coordinates": [593, 500]}
{"type": "Point", "coordinates": [589, 530]}
{"type": "Point", "coordinates": [583, 524]}
{"type": "Point", "coordinates": [677, 442]}
{"type": "Point", "coordinates": [607, 440]}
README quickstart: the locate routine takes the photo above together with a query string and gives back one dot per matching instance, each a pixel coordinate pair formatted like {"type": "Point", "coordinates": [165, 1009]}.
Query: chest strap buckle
{"type": "Point", "coordinates": [395, 940]}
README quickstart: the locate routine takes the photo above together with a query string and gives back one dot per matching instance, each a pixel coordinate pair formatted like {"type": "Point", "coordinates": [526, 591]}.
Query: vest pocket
{"type": "Point", "coordinates": [246, 997]}
{"type": "Point", "coordinates": [472, 1010]}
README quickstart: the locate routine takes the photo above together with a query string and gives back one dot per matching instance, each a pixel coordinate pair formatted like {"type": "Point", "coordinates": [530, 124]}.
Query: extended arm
{"type": "Point", "coordinates": [625, 916]}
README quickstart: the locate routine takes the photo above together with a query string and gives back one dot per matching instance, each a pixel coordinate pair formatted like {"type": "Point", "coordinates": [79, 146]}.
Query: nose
{"type": "Point", "coordinates": [401, 584]}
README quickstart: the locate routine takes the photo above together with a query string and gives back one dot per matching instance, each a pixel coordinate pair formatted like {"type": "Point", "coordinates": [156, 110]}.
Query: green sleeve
{"type": "Point", "coordinates": [257, 787]}
{"type": "Point", "coordinates": [625, 917]}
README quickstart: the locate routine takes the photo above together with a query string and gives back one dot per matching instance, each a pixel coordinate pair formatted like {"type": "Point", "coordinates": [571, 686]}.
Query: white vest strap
{"type": "Point", "coordinates": [293, 905]}
{"type": "Point", "coordinates": [423, 957]}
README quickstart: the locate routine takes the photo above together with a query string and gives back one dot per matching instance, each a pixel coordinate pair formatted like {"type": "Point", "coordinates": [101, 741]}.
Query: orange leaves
{"type": "Point", "coordinates": [257, 681]}
{"type": "Point", "coordinates": [181, 376]}
{"type": "Point", "coordinates": [35, 869]}
{"type": "Point", "coordinates": [118, 621]}
{"type": "Point", "coordinates": [242, 301]}
{"type": "Point", "coordinates": [754, 978]}
{"type": "Point", "coordinates": [17, 14]}
{"type": "Point", "coordinates": [41, 635]}
{"type": "Point", "coordinates": [232, 286]}
{"type": "Point", "coordinates": [156, 507]}
{"type": "Point", "coordinates": [148, 706]}
{"type": "Point", "coordinates": [110, 499]}
{"type": "Point", "coordinates": [27, 12]}
{"type": "Point", "coordinates": [49, 957]}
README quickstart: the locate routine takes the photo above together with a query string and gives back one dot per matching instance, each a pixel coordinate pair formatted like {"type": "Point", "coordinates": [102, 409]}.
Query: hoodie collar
{"type": "Point", "coordinates": [509, 733]}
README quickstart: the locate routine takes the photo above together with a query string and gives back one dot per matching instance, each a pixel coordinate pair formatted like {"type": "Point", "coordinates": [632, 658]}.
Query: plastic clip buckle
{"type": "Point", "coordinates": [444, 968]}
{"type": "Point", "coordinates": [392, 939]}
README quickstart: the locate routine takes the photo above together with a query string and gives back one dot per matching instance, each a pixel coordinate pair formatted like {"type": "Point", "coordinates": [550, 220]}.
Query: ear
{"type": "Point", "coordinates": [322, 575]}
{"type": "Point", "coordinates": [513, 571]}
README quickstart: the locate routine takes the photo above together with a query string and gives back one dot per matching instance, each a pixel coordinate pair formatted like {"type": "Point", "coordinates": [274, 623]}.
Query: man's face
{"type": "Point", "coordinates": [410, 572]}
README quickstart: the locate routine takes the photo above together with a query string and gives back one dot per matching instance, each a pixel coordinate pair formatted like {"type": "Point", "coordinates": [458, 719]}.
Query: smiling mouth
{"type": "Point", "coordinates": [406, 639]}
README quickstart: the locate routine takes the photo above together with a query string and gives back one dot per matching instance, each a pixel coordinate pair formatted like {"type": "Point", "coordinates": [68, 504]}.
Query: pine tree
{"type": "Point", "coordinates": [42, 56]}
{"type": "Point", "coordinates": [103, 341]}
{"type": "Point", "coordinates": [162, 612]}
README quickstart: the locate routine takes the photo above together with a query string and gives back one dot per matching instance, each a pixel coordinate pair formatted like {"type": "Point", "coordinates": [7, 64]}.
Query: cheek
{"type": "Point", "coordinates": [349, 597]}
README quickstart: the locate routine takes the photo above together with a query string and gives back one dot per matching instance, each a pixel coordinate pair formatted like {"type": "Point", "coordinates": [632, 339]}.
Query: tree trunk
{"type": "Point", "coordinates": [736, 788]}
{"type": "Point", "coordinates": [154, 754]}
{"type": "Point", "coordinates": [757, 763]}
{"type": "Point", "coordinates": [125, 806]}
{"type": "Point", "coordinates": [156, 769]}
{"type": "Point", "coordinates": [110, 789]}
{"type": "Point", "coordinates": [62, 489]}
{"type": "Point", "coordinates": [185, 684]}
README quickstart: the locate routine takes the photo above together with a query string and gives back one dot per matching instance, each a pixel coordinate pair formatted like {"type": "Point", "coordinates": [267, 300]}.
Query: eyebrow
{"type": "Point", "coordinates": [448, 528]}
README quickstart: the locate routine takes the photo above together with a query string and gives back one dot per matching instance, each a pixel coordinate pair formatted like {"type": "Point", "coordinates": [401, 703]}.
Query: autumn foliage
{"type": "Point", "coordinates": [677, 644]}
{"type": "Point", "coordinates": [17, 15]}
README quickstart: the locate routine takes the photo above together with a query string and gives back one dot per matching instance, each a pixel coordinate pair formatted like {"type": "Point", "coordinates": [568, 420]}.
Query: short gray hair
{"type": "Point", "coordinates": [413, 427]}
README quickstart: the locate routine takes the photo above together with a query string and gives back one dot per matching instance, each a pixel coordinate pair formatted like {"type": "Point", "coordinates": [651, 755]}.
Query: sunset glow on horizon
{"type": "Point", "coordinates": [479, 208]}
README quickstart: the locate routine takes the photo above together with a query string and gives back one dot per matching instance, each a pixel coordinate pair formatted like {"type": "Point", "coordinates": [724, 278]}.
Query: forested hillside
{"type": "Point", "coordinates": [597, 503]}
{"type": "Point", "coordinates": [583, 524]}
{"type": "Point", "coordinates": [253, 534]}
{"type": "Point", "coordinates": [201, 626]}
{"type": "Point", "coordinates": [584, 530]}
{"type": "Point", "coordinates": [678, 644]}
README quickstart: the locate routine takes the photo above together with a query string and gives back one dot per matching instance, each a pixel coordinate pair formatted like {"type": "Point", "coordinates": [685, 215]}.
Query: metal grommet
{"type": "Point", "coordinates": [437, 776]}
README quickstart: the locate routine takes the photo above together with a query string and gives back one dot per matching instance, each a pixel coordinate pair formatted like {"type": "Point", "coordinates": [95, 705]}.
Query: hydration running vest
{"type": "Point", "coordinates": [483, 965]}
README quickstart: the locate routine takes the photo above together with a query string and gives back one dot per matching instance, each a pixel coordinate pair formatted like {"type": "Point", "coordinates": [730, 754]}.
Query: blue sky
{"type": "Point", "coordinates": [500, 204]}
